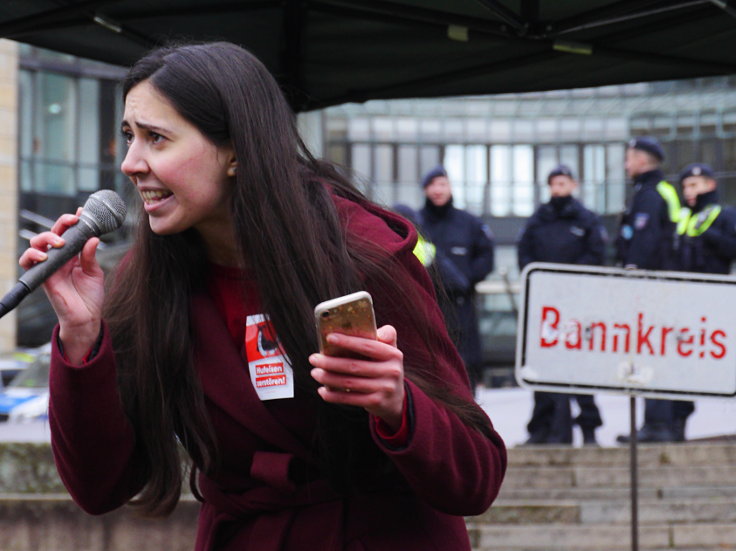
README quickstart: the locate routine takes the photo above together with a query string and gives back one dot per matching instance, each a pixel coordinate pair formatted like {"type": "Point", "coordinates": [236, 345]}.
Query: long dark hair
{"type": "Point", "coordinates": [279, 195]}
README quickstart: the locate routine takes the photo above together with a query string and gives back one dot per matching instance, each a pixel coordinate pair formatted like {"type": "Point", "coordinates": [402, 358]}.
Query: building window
{"type": "Point", "coordinates": [499, 150]}
{"type": "Point", "coordinates": [68, 126]}
{"type": "Point", "coordinates": [467, 168]}
{"type": "Point", "coordinates": [67, 132]}
{"type": "Point", "coordinates": [593, 177]}
{"type": "Point", "coordinates": [54, 132]}
{"type": "Point", "coordinates": [501, 174]}
{"type": "Point", "coordinates": [501, 180]}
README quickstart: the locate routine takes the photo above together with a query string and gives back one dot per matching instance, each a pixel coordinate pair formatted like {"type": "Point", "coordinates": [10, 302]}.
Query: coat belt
{"type": "Point", "coordinates": [273, 506]}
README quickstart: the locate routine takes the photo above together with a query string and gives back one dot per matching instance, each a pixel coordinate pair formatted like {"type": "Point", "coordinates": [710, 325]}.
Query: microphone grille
{"type": "Point", "coordinates": [107, 209]}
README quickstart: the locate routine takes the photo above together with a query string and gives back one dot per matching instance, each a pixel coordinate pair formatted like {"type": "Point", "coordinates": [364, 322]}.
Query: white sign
{"type": "Point", "coordinates": [660, 334]}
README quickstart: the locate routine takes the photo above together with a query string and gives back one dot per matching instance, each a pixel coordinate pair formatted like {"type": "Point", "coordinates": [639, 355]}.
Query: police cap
{"type": "Point", "coordinates": [697, 169]}
{"type": "Point", "coordinates": [648, 144]}
{"type": "Point", "coordinates": [560, 170]}
{"type": "Point", "coordinates": [436, 172]}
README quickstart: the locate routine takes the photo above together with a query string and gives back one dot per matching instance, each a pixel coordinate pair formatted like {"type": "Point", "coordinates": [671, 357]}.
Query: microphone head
{"type": "Point", "coordinates": [105, 209]}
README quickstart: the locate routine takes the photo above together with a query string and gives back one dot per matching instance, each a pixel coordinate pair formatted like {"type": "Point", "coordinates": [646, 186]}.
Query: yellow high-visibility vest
{"type": "Point", "coordinates": [669, 194]}
{"type": "Point", "coordinates": [699, 224]}
{"type": "Point", "coordinates": [424, 250]}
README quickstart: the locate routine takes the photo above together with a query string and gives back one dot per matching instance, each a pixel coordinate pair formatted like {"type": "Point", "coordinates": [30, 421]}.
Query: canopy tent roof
{"type": "Point", "coordinates": [327, 52]}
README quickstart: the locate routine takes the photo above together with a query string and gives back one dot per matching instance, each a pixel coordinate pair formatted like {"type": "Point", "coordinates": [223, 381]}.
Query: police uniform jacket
{"type": "Point", "coordinates": [467, 243]}
{"type": "Point", "coordinates": [463, 239]}
{"type": "Point", "coordinates": [562, 230]}
{"type": "Point", "coordinates": [647, 234]}
{"type": "Point", "coordinates": [713, 250]}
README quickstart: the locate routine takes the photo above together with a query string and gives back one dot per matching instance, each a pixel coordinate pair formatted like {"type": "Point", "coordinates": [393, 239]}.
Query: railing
{"type": "Point", "coordinates": [39, 220]}
{"type": "Point", "coordinates": [497, 305]}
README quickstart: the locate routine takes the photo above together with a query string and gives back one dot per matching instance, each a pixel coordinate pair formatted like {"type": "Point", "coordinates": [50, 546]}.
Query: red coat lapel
{"type": "Point", "coordinates": [225, 379]}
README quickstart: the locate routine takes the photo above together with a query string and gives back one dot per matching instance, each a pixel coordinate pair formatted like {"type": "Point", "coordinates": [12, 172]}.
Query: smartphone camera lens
{"type": "Point", "coordinates": [325, 314]}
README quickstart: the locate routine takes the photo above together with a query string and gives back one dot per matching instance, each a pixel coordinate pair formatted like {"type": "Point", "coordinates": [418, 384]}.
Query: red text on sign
{"type": "Point", "coordinates": [635, 336]}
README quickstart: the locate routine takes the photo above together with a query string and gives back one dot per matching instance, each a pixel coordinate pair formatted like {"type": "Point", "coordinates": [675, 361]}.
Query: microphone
{"type": "Point", "coordinates": [103, 212]}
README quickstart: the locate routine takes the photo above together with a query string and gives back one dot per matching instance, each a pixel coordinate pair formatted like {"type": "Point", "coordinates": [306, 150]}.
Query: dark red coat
{"type": "Point", "coordinates": [449, 470]}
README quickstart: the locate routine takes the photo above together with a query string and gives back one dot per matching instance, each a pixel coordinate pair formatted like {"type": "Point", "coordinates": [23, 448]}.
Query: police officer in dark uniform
{"type": "Point", "coordinates": [648, 239]}
{"type": "Point", "coordinates": [648, 234]}
{"type": "Point", "coordinates": [466, 242]}
{"type": "Point", "coordinates": [708, 244]}
{"type": "Point", "coordinates": [439, 266]}
{"type": "Point", "coordinates": [709, 235]}
{"type": "Point", "coordinates": [562, 230]}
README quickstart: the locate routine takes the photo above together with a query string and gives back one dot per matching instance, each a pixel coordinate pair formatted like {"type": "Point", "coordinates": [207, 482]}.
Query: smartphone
{"type": "Point", "coordinates": [350, 314]}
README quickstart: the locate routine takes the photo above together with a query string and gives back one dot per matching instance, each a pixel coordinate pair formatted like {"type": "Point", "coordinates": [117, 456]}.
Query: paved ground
{"type": "Point", "coordinates": [509, 409]}
{"type": "Point", "coordinates": [36, 431]}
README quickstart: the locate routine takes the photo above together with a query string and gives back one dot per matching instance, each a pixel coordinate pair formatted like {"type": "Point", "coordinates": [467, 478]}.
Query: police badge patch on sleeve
{"type": "Point", "coordinates": [640, 220]}
{"type": "Point", "coordinates": [576, 231]}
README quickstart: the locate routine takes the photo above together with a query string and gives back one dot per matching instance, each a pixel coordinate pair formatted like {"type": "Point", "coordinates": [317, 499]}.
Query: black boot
{"type": "Point", "coordinates": [650, 433]}
{"type": "Point", "coordinates": [536, 438]}
{"type": "Point", "coordinates": [589, 437]}
{"type": "Point", "coordinates": [678, 429]}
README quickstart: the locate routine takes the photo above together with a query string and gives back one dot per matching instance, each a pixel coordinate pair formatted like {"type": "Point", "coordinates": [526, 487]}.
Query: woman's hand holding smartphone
{"type": "Point", "coordinates": [357, 364]}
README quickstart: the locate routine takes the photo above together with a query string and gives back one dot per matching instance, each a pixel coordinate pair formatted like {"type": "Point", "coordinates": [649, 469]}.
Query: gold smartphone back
{"type": "Point", "coordinates": [350, 314]}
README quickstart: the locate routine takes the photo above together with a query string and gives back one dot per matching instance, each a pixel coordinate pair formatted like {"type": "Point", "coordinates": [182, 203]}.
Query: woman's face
{"type": "Point", "coordinates": [180, 175]}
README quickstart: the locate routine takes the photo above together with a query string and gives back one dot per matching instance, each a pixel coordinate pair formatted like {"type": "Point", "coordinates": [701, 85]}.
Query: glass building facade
{"type": "Point", "coordinates": [499, 149]}
{"type": "Point", "coordinates": [67, 132]}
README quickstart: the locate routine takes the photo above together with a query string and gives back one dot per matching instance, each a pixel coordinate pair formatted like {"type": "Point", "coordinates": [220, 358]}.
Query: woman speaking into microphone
{"type": "Point", "coordinates": [242, 232]}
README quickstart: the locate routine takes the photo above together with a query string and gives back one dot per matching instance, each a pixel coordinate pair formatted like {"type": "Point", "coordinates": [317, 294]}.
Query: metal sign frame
{"type": "Point", "coordinates": [632, 387]}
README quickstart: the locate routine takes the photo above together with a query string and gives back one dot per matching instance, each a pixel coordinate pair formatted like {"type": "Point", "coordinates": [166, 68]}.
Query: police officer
{"type": "Point", "coordinates": [562, 230]}
{"type": "Point", "coordinates": [435, 261]}
{"type": "Point", "coordinates": [708, 244]}
{"type": "Point", "coordinates": [709, 234]}
{"type": "Point", "coordinates": [648, 239]}
{"type": "Point", "coordinates": [467, 243]}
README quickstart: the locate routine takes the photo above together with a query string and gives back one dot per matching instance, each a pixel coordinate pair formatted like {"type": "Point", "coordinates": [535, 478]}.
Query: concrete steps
{"type": "Point", "coordinates": [600, 537]}
{"type": "Point", "coordinates": [576, 499]}
{"type": "Point", "coordinates": [52, 522]}
{"type": "Point", "coordinates": [553, 499]}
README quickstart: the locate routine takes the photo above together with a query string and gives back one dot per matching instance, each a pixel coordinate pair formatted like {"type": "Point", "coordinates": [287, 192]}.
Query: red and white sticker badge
{"type": "Point", "coordinates": [269, 368]}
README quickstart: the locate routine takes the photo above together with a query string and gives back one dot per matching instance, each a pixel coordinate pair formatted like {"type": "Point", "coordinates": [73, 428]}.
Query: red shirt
{"type": "Point", "coordinates": [233, 292]}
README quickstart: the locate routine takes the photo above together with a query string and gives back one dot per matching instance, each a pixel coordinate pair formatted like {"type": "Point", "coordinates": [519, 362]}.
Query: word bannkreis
{"type": "Point", "coordinates": [632, 336]}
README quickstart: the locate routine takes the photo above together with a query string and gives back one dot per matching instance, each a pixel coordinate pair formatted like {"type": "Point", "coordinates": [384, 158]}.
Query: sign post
{"type": "Point", "coordinates": [587, 329]}
{"type": "Point", "coordinates": [634, 475]}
